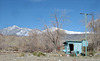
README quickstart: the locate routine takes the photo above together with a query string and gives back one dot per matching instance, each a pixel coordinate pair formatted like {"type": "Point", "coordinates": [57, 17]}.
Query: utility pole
{"type": "Point", "coordinates": [85, 30]}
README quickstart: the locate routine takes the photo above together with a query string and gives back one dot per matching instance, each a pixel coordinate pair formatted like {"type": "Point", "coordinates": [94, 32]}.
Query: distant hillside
{"type": "Point", "coordinates": [9, 38]}
{"type": "Point", "coordinates": [18, 31]}
{"type": "Point", "coordinates": [74, 37]}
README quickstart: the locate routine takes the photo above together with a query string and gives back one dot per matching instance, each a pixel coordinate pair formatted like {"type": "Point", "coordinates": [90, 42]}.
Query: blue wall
{"type": "Point", "coordinates": [78, 47]}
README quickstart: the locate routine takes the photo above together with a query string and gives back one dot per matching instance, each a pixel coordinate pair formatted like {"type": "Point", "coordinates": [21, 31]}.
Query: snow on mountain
{"type": "Point", "coordinates": [73, 32]}
{"type": "Point", "coordinates": [66, 31]}
{"type": "Point", "coordinates": [23, 32]}
{"type": "Point", "coordinates": [15, 30]}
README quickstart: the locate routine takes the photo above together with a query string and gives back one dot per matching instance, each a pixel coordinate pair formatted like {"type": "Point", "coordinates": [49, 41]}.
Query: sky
{"type": "Point", "coordinates": [35, 14]}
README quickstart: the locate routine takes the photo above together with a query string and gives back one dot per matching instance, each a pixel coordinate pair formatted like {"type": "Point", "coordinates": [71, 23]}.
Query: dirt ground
{"type": "Point", "coordinates": [30, 57]}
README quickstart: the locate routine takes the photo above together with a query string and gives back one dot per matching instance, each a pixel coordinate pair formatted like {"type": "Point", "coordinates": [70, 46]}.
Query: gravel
{"type": "Point", "coordinates": [30, 57]}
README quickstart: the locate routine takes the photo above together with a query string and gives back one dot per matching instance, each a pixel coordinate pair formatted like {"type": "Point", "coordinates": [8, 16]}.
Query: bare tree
{"type": "Point", "coordinates": [94, 27]}
{"type": "Point", "coordinates": [36, 40]}
{"type": "Point", "coordinates": [55, 36]}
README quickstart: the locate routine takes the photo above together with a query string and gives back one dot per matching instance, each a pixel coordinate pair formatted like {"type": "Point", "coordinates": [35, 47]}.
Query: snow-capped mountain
{"type": "Point", "coordinates": [74, 32]}
{"type": "Point", "coordinates": [15, 30]}
{"type": "Point", "coordinates": [66, 31]}
{"type": "Point", "coordinates": [70, 35]}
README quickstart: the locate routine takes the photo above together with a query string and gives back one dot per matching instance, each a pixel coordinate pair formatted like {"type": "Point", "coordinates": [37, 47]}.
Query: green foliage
{"type": "Point", "coordinates": [21, 55]}
{"type": "Point", "coordinates": [38, 54]}
{"type": "Point", "coordinates": [35, 53]}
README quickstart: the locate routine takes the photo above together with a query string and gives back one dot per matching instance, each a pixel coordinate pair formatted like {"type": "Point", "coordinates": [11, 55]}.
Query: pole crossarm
{"type": "Point", "coordinates": [86, 14]}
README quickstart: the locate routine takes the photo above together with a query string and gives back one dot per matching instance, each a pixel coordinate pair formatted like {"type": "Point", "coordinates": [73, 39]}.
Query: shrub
{"type": "Point", "coordinates": [35, 53]}
{"type": "Point", "coordinates": [12, 48]}
{"type": "Point", "coordinates": [21, 55]}
{"type": "Point", "coordinates": [38, 54]}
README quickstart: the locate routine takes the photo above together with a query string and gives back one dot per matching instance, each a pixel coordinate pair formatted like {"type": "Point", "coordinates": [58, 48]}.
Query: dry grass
{"type": "Point", "coordinates": [30, 57]}
{"type": "Point", "coordinates": [20, 55]}
{"type": "Point", "coordinates": [38, 54]}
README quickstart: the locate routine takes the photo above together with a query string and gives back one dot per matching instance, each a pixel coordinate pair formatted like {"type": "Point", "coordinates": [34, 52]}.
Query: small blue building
{"type": "Point", "coordinates": [74, 46]}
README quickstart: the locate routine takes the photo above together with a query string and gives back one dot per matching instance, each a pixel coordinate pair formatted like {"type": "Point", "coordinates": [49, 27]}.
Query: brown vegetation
{"type": "Point", "coordinates": [55, 36]}
{"type": "Point", "coordinates": [94, 27]}
{"type": "Point", "coordinates": [34, 42]}
{"type": "Point", "coordinates": [45, 41]}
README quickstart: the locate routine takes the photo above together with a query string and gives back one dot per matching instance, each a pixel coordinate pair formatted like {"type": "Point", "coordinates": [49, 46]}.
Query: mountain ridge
{"type": "Point", "coordinates": [15, 30]}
